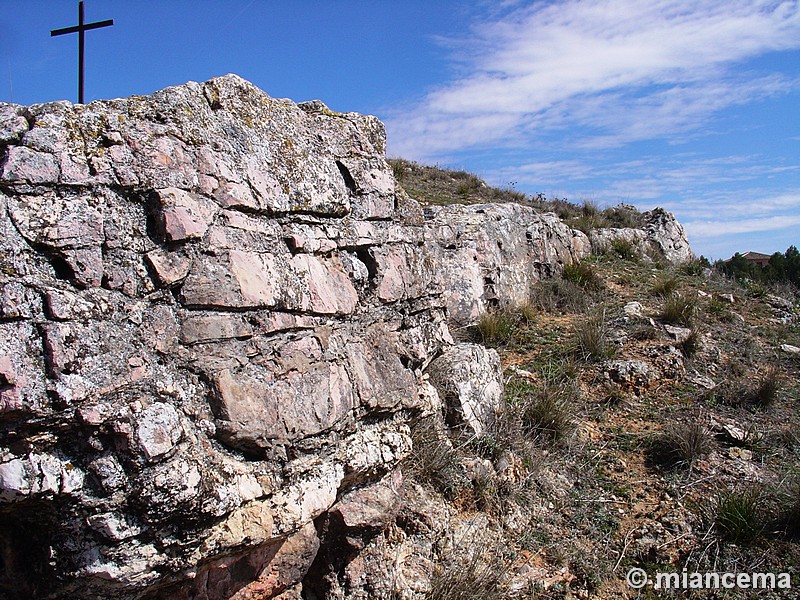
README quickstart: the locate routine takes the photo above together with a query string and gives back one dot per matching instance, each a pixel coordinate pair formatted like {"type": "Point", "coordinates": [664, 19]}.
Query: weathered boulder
{"type": "Point", "coordinates": [469, 380]}
{"type": "Point", "coordinates": [661, 235]}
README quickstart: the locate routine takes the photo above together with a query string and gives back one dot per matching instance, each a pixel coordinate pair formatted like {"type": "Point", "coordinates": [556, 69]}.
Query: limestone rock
{"type": "Point", "coordinates": [219, 313]}
{"type": "Point", "coordinates": [789, 349]}
{"type": "Point", "coordinates": [663, 229]}
{"type": "Point", "coordinates": [661, 235]}
{"type": "Point", "coordinates": [469, 379]}
{"type": "Point", "coordinates": [493, 253]}
{"type": "Point", "coordinates": [634, 374]}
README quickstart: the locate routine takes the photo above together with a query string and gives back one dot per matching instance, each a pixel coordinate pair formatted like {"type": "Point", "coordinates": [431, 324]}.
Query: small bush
{"type": "Point", "coordinates": [678, 309]}
{"type": "Point", "coordinates": [591, 337]}
{"type": "Point", "coordinates": [625, 216]}
{"type": "Point", "coordinates": [719, 310]}
{"type": "Point", "coordinates": [695, 267]}
{"type": "Point", "coordinates": [682, 444]}
{"type": "Point", "coordinates": [738, 515]}
{"type": "Point", "coordinates": [399, 169]}
{"type": "Point", "coordinates": [756, 290]}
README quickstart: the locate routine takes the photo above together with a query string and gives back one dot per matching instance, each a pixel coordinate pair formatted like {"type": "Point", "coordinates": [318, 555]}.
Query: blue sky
{"type": "Point", "coordinates": [694, 106]}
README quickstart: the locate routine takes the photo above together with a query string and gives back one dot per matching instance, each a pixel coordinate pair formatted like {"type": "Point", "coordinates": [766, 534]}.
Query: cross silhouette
{"type": "Point", "coordinates": [80, 29]}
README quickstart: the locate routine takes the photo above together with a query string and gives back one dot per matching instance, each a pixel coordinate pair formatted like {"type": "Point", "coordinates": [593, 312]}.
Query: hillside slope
{"type": "Point", "coordinates": [652, 422]}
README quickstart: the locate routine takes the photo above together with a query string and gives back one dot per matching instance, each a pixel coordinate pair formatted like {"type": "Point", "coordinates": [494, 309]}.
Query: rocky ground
{"type": "Point", "coordinates": [651, 422]}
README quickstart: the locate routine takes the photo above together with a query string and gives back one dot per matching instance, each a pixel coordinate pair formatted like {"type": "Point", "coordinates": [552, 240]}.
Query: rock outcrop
{"type": "Point", "coordinates": [218, 314]}
{"type": "Point", "coordinates": [661, 236]}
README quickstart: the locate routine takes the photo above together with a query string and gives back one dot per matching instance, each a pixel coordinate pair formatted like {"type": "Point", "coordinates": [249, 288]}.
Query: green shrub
{"type": "Point", "coordinates": [756, 290]}
{"type": "Point", "coordinates": [399, 169]}
{"type": "Point", "coordinates": [622, 216]}
{"type": "Point", "coordinates": [719, 310]}
{"type": "Point", "coordinates": [695, 267]}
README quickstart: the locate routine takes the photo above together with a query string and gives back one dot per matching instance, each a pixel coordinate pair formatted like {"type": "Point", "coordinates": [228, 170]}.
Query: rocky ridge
{"type": "Point", "coordinates": [219, 313]}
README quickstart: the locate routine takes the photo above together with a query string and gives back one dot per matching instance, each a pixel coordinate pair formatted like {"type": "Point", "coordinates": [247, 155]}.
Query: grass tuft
{"type": "Point", "coordinates": [623, 249]}
{"type": "Point", "coordinates": [471, 572]}
{"type": "Point", "coordinates": [739, 516]}
{"type": "Point", "coordinates": [547, 414]}
{"type": "Point", "coordinates": [583, 275]}
{"type": "Point", "coordinates": [434, 461]}
{"type": "Point", "coordinates": [590, 336]}
{"type": "Point", "coordinates": [496, 327]}
{"type": "Point", "coordinates": [665, 286]}
{"type": "Point", "coordinates": [681, 444]}
{"type": "Point", "coordinates": [678, 309]}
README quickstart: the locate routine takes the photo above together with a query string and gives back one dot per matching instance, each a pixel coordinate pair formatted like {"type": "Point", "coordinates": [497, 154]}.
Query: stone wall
{"type": "Point", "coordinates": [217, 314]}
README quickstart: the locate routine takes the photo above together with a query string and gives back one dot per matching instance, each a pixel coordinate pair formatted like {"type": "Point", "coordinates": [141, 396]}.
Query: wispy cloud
{"type": "Point", "coordinates": [711, 229]}
{"type": "Point", "coordinates": [622, 70]}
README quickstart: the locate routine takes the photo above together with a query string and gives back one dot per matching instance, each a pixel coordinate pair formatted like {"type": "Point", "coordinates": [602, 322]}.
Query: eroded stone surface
{"type": "Point", "coordinates": [218, 314]}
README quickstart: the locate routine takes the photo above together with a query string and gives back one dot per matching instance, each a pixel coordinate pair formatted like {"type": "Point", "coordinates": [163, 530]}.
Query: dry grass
{"type": "Point", "coordinates": [678, 309]}
{"type": "Point", "coordinates": [681, 444]}
{"type": "Point", "coordinates": [590, 337]}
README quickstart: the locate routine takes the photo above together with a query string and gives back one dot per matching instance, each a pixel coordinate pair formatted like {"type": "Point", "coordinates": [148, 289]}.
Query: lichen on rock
{"type": "Point", "coordinates": [219, 313]}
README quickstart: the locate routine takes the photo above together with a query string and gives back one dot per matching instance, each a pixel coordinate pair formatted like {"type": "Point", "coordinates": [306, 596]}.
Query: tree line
{"type": "Point", "coordinates": [782, 268]}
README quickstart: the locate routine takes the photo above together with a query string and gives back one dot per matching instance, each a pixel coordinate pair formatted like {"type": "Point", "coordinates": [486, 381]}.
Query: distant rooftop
{"type": "Point", "coordinates": [750, 255]}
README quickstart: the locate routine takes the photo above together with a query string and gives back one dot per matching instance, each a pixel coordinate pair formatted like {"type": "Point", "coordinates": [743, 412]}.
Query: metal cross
{"type": "Point", "coordinates": [80, 29]}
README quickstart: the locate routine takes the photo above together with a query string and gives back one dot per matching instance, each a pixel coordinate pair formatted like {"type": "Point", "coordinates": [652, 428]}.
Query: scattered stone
{"type": "Point", "coordinates": [701, 380]}
{"type": "Point", "coordinates": [679, 334]}
{"type": "Point", "coordinates": [634, 374]}
{"type": "Point", "coordinates": [728, 298]}
{"type": "Point", "coordinates": [633, 310]}
{"type": "Point", "coordinates": [789, 349]}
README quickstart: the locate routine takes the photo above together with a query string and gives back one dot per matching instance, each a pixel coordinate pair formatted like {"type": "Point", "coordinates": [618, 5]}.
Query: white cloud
{"type": "Point", "coordinates": [624, 69]}
{"type": "Point", "coordinates": [709, 229]}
